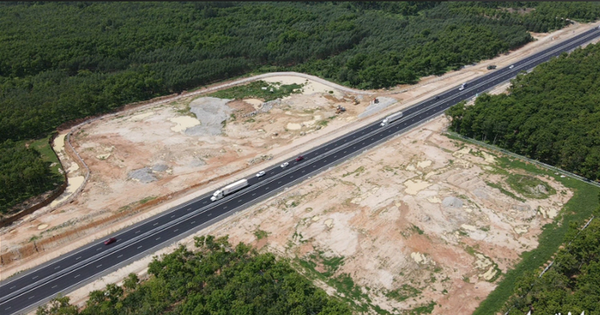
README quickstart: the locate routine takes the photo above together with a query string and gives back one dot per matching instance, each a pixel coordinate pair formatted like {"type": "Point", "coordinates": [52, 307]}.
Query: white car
{"type": "Point", "coordinates": [260, 174]}
{"type": "Point", "coordinates": [511, 66]}
{"type": "Point", "coordinates": [285, 164]}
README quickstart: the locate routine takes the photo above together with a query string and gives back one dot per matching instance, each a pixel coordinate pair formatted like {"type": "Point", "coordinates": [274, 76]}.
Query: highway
{"type": "Point", "coordinates": [23, 292]}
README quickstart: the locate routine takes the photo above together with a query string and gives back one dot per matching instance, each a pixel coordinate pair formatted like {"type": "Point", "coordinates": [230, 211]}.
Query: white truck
{"type": "Point", "coordinates": [231, 188]}
{"type": "Point", "coordinates": [391, 118]}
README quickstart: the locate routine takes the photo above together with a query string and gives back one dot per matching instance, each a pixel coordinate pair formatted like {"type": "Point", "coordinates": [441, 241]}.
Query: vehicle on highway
{"type": "Point", "coordinates": [300, 158]}
{"type": "Point", "coordinates": [462, 87]}
{"type": "Point", "coordinates": [231, 188]}
{"type": "Point", "coordinates": [391, 118]}
{"type": "Point", "coordinates": [24, 293]}
{"type": "Point", "coordinates": [110, 241]}
{"type": "Point", "coordinates": [260, 174]}
{"type": "Point", "coordinates": [284, 164]}
{"type": "Point", "coordinates": [511, 66]}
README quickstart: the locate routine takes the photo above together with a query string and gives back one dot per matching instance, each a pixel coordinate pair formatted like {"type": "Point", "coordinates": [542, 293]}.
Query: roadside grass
{"type": "Point", "coordinates": [577, 209]}
{"type": "Point", "coordinates": [325, 122]}
{"type": "Point", "coordinates": [147, 199]}
{"type": "Point", "coordinates": [48, 155]}
{"type": "Point", "coordinates": [255, 89]}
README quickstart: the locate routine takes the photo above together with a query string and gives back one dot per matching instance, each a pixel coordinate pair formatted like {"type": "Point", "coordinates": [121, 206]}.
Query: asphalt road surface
{"type": "Point", "coordinates": [23, 292]}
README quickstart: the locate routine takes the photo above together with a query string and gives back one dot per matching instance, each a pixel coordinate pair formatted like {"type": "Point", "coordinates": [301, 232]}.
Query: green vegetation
{"type": "Point", "coordinates": [571, 284]}
{"type": "Point", "coordinates": [551, 115]}
{"type": "Point", "coordinates": [24, 173]}
{"type": "Point", "coordinates": [349, 292]}
{"type": "Point", "coordinates": [417, 229]}
{"type": "Point", "coordinates": [260, 234]}
{"type": "Point", "coordinates": [218, 279]}
{"type": "Point", "coordinates": [147, 199]}
{"type": "Point", "coordinates": [530, 187]}
{"type": "Point", "coordinates": [504, 191]}
{"type": "Point", "coordinates": [62, 61]}
{"type": "Point", "coordinates": [331, 264]}
{"type": "Point", "coordinates": [47, 154]}
{"type": "Point", "coordinates": [404, 293]}
{"type": "Point", "coordinates": [575, 212]}
{"type": "Point", "coordinates": [258, 89]}
{"type": "Point", "coordinates": [425, 309]}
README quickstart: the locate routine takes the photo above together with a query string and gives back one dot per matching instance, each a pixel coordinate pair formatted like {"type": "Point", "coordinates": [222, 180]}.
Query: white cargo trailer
{"type": "Point", "coordinates": [391, 118]}
{"type": "Point", "coordinates": [229, 189]}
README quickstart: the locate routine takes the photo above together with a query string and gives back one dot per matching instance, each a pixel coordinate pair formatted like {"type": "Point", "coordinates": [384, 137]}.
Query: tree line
{"type": "Point", "coordinates": [217, 278]}
{"type": "Point", "coordinates": [61, 61]}
{"type": "Point", "coordinates": [572, 284]}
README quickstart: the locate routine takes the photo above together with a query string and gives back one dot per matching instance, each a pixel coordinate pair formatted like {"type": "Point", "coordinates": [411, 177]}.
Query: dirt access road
{"type": "Point", "coordinates": [144, 161]}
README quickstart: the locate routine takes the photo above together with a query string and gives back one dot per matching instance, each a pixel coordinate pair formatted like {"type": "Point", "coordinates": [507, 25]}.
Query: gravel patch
{"type": "Point", "coordinates": [211, 112]}
{"type": "Point", "coordinates": [452, 202]}
{"type": "Point", "coordinates": [143, 175]}
{"type": "Point", "coordinates": [197, 163]}
{"type": "Point", "coordinates": [159, 168]}
{"type": "Point", "coordinates": [374, 108]}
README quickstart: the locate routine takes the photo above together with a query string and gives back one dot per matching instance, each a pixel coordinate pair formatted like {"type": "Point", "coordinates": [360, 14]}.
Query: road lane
{"type": "Point", "coordinates": [68, 271]}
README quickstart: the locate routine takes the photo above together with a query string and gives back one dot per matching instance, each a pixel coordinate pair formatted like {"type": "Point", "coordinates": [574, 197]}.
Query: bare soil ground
{"type": "Point", "coordinates": [384, 215]}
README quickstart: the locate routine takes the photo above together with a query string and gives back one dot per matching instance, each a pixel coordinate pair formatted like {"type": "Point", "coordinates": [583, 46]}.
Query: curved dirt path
{"type": "Point", "coordinates": [80, 161]}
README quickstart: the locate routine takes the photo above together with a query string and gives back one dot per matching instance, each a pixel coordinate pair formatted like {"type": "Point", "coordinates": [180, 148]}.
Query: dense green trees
{"type": "Point", "coordinates": [217, 279]}
{"type": "Point", "coordinates": [23, 174]}
{"type": "Point", "coordinates": [61, 61]}
{"type": "Point", "coordinates": [551, 114]}
{"type": "Point", "coordinates": [572, 284]}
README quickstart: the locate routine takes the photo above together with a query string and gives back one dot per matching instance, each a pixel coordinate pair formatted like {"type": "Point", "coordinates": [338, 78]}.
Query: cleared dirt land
{"type": "Point", "coordinates": [420, 221]}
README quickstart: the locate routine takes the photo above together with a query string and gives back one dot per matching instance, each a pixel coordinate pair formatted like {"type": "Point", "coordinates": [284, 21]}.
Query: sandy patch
{"type": "Point", "coordinates": [413, 187]}
{"type": "Point", "coordinates": [424, 164]}
{"type": "Point", "coordinates": [141, 116]}
{"type": "Point", "coordinates": [183, 123]}
{"type": "Point", "coordinates": [310, 87]}
{"type": "Point", "coordinates": [293, 126]}
{"type": "Point", "coordinates": [73, 185]}
{"type": "Point", "coordinates": [59, 142]}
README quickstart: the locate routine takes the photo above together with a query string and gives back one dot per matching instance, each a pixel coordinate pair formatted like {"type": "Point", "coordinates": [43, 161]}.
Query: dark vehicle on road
{"type": "Point", "coordinates": [300, 158]}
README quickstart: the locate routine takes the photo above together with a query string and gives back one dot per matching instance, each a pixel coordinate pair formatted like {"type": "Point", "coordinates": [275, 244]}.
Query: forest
{"type": "Point", "coordinates": [62, 61]}
{"type": "Point", "coordinates": [551, 114]}
{"type": "Point", "coordinates": [23, 174]}
{"type": "Point", "coordinates": [216, 278]}
{"type": "Point", "coordinates": [572, 284]}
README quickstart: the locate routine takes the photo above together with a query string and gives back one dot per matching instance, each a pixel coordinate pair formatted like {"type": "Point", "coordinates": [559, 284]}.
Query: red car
{"type": "Point", "coordinates": [300, 158]}
{"type": "Point", "coordinates": [110, 241]}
